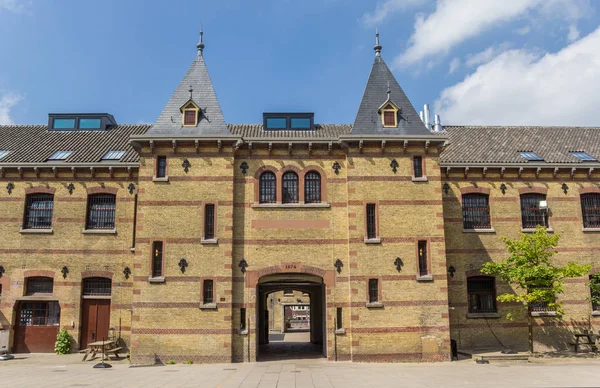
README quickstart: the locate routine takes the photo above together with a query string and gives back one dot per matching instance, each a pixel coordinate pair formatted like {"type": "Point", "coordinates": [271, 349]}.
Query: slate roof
{"type": "Point", "coordinates": [368, 120]}
{"type": "Point", "coordinates": [211, 120]}
{"type": "Point", "coordinates": [490, 144]}
{"type": "Point", "coordinates": [322, 131]}
{"type": "Point", "coordinates": [35, 143]}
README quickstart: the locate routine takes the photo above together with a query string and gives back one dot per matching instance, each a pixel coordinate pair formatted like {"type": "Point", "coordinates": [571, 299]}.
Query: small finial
{"type": "Point", "coordinates": [200, 45]}
{"type": "Point", "coordinates": [377, 47]}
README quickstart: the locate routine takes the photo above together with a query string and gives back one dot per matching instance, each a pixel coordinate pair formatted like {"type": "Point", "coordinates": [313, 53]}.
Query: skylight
{"type": "Point", "coordinates": [60, 155]}
{"type": "Point", "coordinates": [113, 155]}
{"type": "Point", "coordinates": [583, 156]}
{"type": "Point", "coordinates": [3, 153]}
{"type": "Point", "coordinates": [531, 156]}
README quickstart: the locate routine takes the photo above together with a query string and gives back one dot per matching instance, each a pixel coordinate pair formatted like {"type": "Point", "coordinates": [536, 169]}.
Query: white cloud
{"type": "Point", "coordinates": [385, 8]}
{"type": "Point", "coordinates": [573, 34]}
{"type": "Point", "coordinates": [15, 6]}
{"type": "Point", "coordinates": [523, 30]}
{"type": "Point", "coordinates": [486, 55]}
{"type": "Point", "coordinates": [7, 101]}
{"type": "Point", "coordinates": [454, 65]}
{"type": "Point", "coordinates": [455, 21]}
{"type": "Point", "coordinates": [521, 87]}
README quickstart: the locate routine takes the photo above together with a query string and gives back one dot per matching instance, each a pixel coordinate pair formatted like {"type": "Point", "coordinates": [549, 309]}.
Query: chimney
{"type": "Point", "coordinates": [426, 116]}
{"type": "Point", "coordinates": [421, 116]}
{"type": "Point", "coordinates": [437, 127]}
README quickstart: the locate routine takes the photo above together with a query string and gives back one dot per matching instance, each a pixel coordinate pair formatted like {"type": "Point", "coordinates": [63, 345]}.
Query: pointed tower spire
{"type": "Point", "coordinates": [377, 47]}
{"type": "Point", "coordinates": [200, 45]}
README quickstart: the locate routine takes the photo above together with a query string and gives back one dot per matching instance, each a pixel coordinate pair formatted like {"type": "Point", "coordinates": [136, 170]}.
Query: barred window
{"type": "Point", "coordinates": [290, 188]}
{"type": "Point", "coordinates": [312, 187]}
{"type": "Point", "coordinates": [267, 188]}
{"type": "Point", "coordinates": [595, 291]}
{"type": "Point", "coordinates": [481, 292]}
{"type": "Point", "coordinates": [101, 211]}
{"type": "Point", "coordinates": [161, 166]}
{"type": "Point", "coordinates": [590, 209]}
{"type": "Point", "coordinates": [373, 290]}
{"type": "Point", "coordinates": [39, 314]}
{"type": "Point", "coordinates": [208, 291]}
{"type": "Point", "coordinates": [418, 166]}
{"type": "Point", "coordinates": [531, 214]}
{"type": "Point", "coordinates": [476, 211]}
{"type": "Point", "coordinates": [157, 259]}
{"type": "Point", "coordinates": [541, 306]}
{"type": "Point", "coordinates": [209, 221]}
{"type": "Point", "coordinates": [371, 221]}
{"type": "Point", "coordinates": [423, 264]}
{"type": "Point", "coordinates": [39, 285]}
{"type": "Point", "coordinates": [97, 286]}
{"type": "Point", "coordinates": [38, 211]}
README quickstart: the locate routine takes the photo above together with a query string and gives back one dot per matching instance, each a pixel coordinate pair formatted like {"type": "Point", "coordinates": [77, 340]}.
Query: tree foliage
{"type": "Point", "coordinates": [63, 342]}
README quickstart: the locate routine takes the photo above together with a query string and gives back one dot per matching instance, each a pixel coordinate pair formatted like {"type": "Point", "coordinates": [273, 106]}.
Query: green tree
{"type": "Point", "coordinates": [535, 279]}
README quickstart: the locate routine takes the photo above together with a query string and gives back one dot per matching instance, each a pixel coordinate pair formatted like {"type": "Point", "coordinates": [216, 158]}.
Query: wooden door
{"type": "Point", "coordinates": [95, 321]}
{"type": "Point", "coordinates": [37, 327]}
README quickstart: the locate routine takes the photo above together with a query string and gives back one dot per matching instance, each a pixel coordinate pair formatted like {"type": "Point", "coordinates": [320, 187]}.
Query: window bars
{"type": "Point", "coordinates": [312, 187]}
{"type": "Point", "coordinates": [97, 286]}
{"type": "Point", "coordinates": [371, 221]}
{"type": "Point", "coordinates": [101, 211]}
{"type": "Point", "coordinates": [590, 209]}
{"type": "Point", "coordinates": [38, 211]}
{"type": "Point", "coordinates": [209, 221]}
{"type": "Point", "coordinates": [267, 188]}
{"type": "Point", "coordinates": [208, 291]}
{"type": "Point", "coordinates": [39, 285]}
{"type": "Point", "coordinates": [290, 188]}
{"type": "Point", "coordinates": [373, 290]}
{"type": "Point", "coordinates": [476, 211]}
{"type": "Point", "coordinates": [531, 214]}
{"type": "Point", "coordinates": [418, 166]}
{"type": "Point", "coordinates": [481, 294]}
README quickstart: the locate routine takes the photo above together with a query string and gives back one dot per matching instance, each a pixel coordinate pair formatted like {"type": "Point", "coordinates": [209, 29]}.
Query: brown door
{"type": "Point", "coordinates": [37, 327]}
{"type": "Point", "coordinates": [95, 321]}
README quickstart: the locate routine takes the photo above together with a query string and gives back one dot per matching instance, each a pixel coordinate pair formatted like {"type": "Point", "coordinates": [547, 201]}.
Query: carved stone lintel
{"type": "Point", "coordinates": [405, 146]}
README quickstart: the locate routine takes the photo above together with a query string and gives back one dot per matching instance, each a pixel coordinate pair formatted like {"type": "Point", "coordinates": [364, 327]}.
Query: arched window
{"type": "Point", "coordinates": [267, 188]}
{"type": "Point", "coordinates": [290, 188]}
{"type": "Point", "coordinates": [590, 209]}
{"type": "Point", "coordinates": [312, 187]}
{"type": "Point", "coordinates": [481, 292]}
{"type": "Point", "coordinates": [531, 213]}
{"type": "Point", "coordinates": [476, 211]}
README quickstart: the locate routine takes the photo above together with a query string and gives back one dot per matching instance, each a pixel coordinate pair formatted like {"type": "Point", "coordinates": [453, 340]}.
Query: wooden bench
{"type": "Point", "coordinates": [591, 341]}
{"type": "Point", "coordinates": [113, 352]}
{"type": "Point", "coordinates": [86, 351]}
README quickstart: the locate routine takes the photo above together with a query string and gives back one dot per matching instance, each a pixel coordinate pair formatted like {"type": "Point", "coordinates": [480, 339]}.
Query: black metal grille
{"type": "Point", "coordinates": [476, 211]}
{"type": "Point", "coordinates": [543, 305]}
{"type": "Point", "coordinates": [339, 315]}
{"type": "Point", "coordinates": [161, 166]}
{"type": "Point", "coordinates": [595, 293]}
{"type": "Point", "coordinates": [290, 188]}
{"type": "Point", "coordinates": [482, 294]}
{"type": "Point", "coordinates": [418, 166]}
{"type": "Point", "coordinates": [39, 314]}
{"type": "Point", "coordinates": [312, 187]}
{"type": "Point", "coordinates": [243, 318]}
{"type": "Point", "coordinates": [590, 208]}
{"type": "Point", "coordinates": [208, 291]}
{"type": "Point", "coordinates": [371, 221]}
{"type": "Point", "coordinates": [101, 211]}
{"type": "Point", "coordinates": [373, 290]}
{"type": "Point", "coordinates": [157, 259]}
{"type": "Point", "coordinates": [531, 214]}
{"type": "Point", "coordinates": [38, 211]}
{"type": "Point", "coordinates": [39, 286]}
{"type": "Point", "coordinates": [97, 286]}
{"type": "Point", "coordinates": [209, 221]}
{"type": "Point", "coordinates": [423, 267]}
{"type": "Point", "coordinates": [267, 188]}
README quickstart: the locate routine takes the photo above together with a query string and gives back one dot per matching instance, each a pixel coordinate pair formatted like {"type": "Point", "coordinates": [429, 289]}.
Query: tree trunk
{"type": "Point", "coordinates": [530, 336]}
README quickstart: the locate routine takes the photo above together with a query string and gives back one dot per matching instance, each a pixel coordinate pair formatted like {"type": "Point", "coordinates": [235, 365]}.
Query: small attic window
{"type": "Point", "coordinates": [190, 112]}
{"type": "Point", "coordinates": [583, 156]}
{"type": "Point", "coordinates": [60, 155]}
{"type": "Point", "coordinates": [64, 124]}
{"type": "Point", "coordinates": [113, 155]}
{"type": "Point", "coordinates": [531, 156]}
{"type": "Point", "coordinates": [89, 123]}
{"type": "Point", "coordinates": [3, 153]}
{"type": "Point", "coordinates": [389, 115]}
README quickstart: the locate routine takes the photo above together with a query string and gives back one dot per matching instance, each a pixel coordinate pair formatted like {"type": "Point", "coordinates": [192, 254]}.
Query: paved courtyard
{"type": "Point", "coordinates": [69, 371]}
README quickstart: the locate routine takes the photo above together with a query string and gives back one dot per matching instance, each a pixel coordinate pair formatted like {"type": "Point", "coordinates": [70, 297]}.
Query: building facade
{"type": "Point", "coordinates": [171, 238]}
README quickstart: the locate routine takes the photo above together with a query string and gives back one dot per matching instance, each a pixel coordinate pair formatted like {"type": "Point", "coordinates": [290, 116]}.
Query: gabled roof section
{"type": "Point", "coordinates": [189, 104]}
{"type": "Point", "coordinates": [196, 86]}
{"type": "Point", "coordinates": [368, 121]}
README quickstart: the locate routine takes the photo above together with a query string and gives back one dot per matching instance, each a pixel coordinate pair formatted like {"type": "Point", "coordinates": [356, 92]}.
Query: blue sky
{"type": "Point", "coordinates": [515, 62]}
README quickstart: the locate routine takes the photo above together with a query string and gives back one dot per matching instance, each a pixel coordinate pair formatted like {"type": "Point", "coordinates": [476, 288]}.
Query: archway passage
{"type": "Point", "coordinates": [296, 329]}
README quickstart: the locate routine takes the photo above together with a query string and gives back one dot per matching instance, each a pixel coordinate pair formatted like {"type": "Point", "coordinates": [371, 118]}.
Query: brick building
{"type": "Point", "coordinates": [170, 237]}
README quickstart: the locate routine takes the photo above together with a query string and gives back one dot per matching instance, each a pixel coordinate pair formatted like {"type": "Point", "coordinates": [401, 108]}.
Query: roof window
{"type": "Point", "coordinates": [583, 156]}
{"type": "Point", "coordinates": [3, 153]}
{"type": "Point", "coordinates": [60, 155]}
{"type": "Point", "coordinates": [531, 156]}
{"type": "Point", "coordinates": [289, 121]}
{"type": "Point", "coordinates": [113, 155]}
{"type": "Point", "coordinates": [80, 121]}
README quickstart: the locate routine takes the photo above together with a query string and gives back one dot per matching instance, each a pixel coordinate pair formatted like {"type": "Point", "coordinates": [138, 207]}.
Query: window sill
{"type": "Point", "coordinates": [374, 305]}
{"type": "Point", "coordinates": [291, 205]}
{"type": "Point", "coordinates": [424, 278]}
{"type": "Point", "coordinates": [376, 240]}
{"type": "Point", "coordinates": [419, 179]}
{"type": "Point", "coordinates": [36, 231]}
{"type": "Point", "coordinates": [340, 331]}
{"type": "Point", "coordinates": [482, 315]}
{"type": "Point", "coordinates": [99, 231]}
{"type": "Point", "coordinates": [490, 230]}
{"type": "Point", "coordinates": [543, 313]}
{"type": "Point", "coordinates": [531, 230]}
{"type": "Point", "coordinates": [212, 241]}
{"type": "Point", "coordinates": [208, 306]}
{"type": "Point", "coordinates": [162, 179]}
{"type": "Point", "coordinates": [243, 331]}
{"type": "Point", "coordinates": [158, 279]}
{"type": "Point", "coordinates": [591, 230]}
{"type": "Point", "coordinates": [595, 313]}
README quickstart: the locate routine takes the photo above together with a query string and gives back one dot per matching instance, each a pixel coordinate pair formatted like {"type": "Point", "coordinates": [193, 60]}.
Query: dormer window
{"type": "Point", "coordinates": [190, 112]}
{"type": "Point", "coordinates": [389, 115]}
